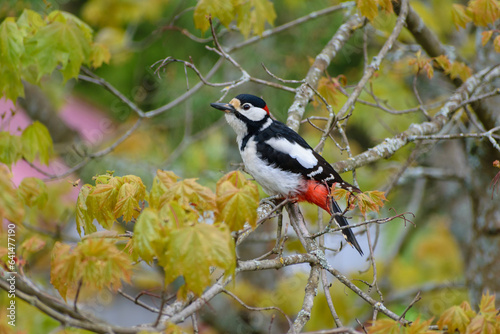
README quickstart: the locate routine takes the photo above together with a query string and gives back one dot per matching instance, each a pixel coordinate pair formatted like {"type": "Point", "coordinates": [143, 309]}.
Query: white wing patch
{"type": "Point", "coordinates": [303, 155]}
{"type": "Point", "coordinates": [316, 172]}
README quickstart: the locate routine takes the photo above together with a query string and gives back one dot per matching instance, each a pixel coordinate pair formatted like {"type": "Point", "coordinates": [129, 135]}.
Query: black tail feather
{"type": "Point", "coordinates": [347, 232]}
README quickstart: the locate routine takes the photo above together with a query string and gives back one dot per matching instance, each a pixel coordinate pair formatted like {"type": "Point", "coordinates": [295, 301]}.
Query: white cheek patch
{"type": "Point", "coordinates": [254, 114]}
{"type": "Point", "coordinates": [303, 155]}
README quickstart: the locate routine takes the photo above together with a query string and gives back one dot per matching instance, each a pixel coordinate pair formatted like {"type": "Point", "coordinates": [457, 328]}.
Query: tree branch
{"type": "Point", "coordinates": [391, 145]}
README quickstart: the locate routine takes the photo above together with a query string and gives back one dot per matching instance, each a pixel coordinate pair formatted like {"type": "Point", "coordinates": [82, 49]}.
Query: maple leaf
{"type": "Point", "coordinates": [99, 54]}
{"type": "Point", "coordinates": [146, 233]}
{"type": "Point", "coordinates": [366, 201]}
{"type": "Point", "coordinates": [384, 326]}
{"type": "Point", "coordinates": [11, 206]}
{"type": "Point", "coordinates": [126, 204]}
{"type": "Point", "coordinates": [61, 43]}
{"type": "Point", "coordinates": [496, 44]}
{"type": "Point", "coordinates": [455, 318]}
{"type": "Point", "coordinates": [459, 16]}
{"type": "Point", "coordinates": [11, 50]}
{"type": "Point", "coordinates": [96, 263]}
{"type": "Point", "coordinates": [82, 217]}
{"type": "Point", "coordinates": [484, 12]}
{"type": "Point", "coordinates": [237, 201]}
{"type": "Point", "coordinates": [33, 191]}
{"type": "Point", "coordinates": [487, 306]}
{"type": "Point", "coordinates": [486, 36]}
{"type": "Point", "coordinates": [253, 15]}
{"type": "Point", "coordinates": [443, 62]}
{"type": "Point", "coordinates": [459, 70]}
{"type": "Point", "coordinates": [221, 9]}
{"type": "Point", "coordinates": [10, 147]}
{"type": "Point", "coordinates": [367, 8]}
{"type": "Point", "coordinates": [36, 141]}
{"type": "Point", "coordinates": [189, 192]}
{"type": "Point", "coordinates": [192, 250]}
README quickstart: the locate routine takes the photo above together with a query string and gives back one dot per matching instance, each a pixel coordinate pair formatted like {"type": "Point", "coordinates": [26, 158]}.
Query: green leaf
{"type": "Point", "coordinates": [83, 217]}
{"type": "Point", "coordinates": [237, 201]}
{"type": "Point", "coordinates": [11, 50]}
{"type": "Point", "coordinates": [193, 250]}
{"type": "Point", "coordinates": [11, 207]}
{"type": "Point", "coordinates": [33, 191]}
{"type": "Point", "coordinates": [146, 233]}
{"type": "Point", "coordinates": [221, 9]}
{"type": "Point", "coordinates": [64, 17]}
{"type": "Point", "coordinates": [10, 148]}
{"type": "Point", "coordinates": [62, 42]}
{"type": "Point", "coordinates": [36, 140]}
{"type": "Point", "coordinates": [29, 22]}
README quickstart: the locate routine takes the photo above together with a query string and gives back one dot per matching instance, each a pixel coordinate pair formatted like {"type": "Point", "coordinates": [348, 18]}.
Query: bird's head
{"type": "Point", "coordinates": [245, 113]}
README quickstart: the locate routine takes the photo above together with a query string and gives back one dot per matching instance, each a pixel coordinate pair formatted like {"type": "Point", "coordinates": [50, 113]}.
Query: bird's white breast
{"type": "Point", "coordinates": [273, 180]}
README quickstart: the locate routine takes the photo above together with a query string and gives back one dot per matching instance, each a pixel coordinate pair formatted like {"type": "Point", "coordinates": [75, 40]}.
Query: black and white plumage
{"type": "Point", "coordinates": [281, 161]}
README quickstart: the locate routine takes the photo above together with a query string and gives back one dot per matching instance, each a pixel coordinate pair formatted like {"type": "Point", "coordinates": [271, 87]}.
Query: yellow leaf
{"type": "Point", "coordinates": [487, 306]}
{"type": "Point", "coordinates": [459, 70]}
{"type": "Point", "coordinates": [253, 15]}
{"type": "Point", "coordinates": [384, 326]}
{"type": "Point", "coordinates": [33, 244]}
{"type": "Point", "coordinates": [485, 36]}
{"type": "Point", "coordinates": [189, 192]}
{"type": "Point", "coordinates": [328, 88]}
{"type": "Point", "coordinates": [481, 325]}
{"type": "Point", "coordinates": [101, 203]}
{"type": "Point", "coordinates": [99, 53]}
{"type": "Point", "coordinates": [484, 12]}
{"type": "Point", "coordinates": [167, 178]}
{"type": "Point", "coordinates": [496, 43]}
{"type": "Point", "coordinates": [460, 16]}
{"type": "Point", "coordinates": [386, 5]}
{"type": "Point", "coordinates": [420, 327]}
{"type": "Point", "coordinates": [455, 318]}
{"type": "Point", "coordinates": [367, 8]}
{"type": "Point", "coordinates": [443, 62]}
{"type": "Point", "coordinates": [96, 263]}
{"type": "Point", "coordinates": [366, 201]}
{"type": "Point", "coordinates": [126, 204]}
{"type": "Point", "coordinates": [193, 250]}
{"type": "Point", "coordinates": [237, 201]}
{"type": "Point", "coordinates": [221, 9]}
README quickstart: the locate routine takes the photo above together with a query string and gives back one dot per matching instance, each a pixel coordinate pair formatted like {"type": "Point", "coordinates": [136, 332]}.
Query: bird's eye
{"type": "Point", "coordinates": [246, 106]}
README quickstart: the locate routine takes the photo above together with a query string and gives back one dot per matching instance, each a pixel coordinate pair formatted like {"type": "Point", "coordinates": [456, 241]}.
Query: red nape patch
{"type": "Point", "coordinates": [266, 109]}
{"type": "Point", "coordinates": [316, 193]}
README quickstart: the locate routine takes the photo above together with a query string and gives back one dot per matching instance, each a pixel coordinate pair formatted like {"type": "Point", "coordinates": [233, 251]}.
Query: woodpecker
{"type": "Point", "coordinates": [281, 161]}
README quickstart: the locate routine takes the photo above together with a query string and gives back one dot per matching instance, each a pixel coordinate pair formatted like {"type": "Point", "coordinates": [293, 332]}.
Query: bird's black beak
{"type": "Point", "coordinates": [225, 107]}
